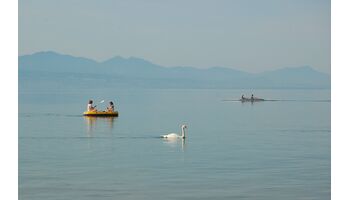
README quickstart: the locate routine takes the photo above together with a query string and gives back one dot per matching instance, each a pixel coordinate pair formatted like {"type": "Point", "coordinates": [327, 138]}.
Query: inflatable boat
{"type": "Point", "coordinates": [101, 113]}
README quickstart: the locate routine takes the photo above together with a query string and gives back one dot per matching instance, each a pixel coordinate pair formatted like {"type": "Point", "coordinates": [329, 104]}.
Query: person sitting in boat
{"type": "Point", "coordinates": [242, 96]}
{"type": "Point", "coordinates": [110, 108]}
{"type": "Point", "coordinates": [90, 107]}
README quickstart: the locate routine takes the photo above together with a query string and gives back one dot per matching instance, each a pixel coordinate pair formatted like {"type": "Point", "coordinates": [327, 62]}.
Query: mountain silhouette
{"type": "Point", "coordinates": [54, 70]}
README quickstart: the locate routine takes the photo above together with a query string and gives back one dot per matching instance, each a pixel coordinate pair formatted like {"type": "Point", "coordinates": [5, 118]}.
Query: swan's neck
{"type": "Point", "coordinates": [183, 133]}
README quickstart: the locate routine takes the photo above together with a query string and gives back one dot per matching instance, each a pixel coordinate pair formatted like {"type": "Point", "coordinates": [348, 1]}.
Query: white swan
{"type": "Point", "coordinates": [176, 136]}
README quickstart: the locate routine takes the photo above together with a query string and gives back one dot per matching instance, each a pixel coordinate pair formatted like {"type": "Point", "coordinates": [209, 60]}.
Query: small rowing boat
{"type": "Point", "coordinates": [251, 99]}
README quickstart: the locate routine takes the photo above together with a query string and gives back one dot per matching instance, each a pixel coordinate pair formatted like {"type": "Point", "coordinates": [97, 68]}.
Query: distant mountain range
{"type": "Point", "coordinates": [50, 70]}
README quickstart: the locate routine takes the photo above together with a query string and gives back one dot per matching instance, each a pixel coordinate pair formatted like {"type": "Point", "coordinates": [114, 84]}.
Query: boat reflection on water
{"type": "Point", "coordinates": [93, 122]}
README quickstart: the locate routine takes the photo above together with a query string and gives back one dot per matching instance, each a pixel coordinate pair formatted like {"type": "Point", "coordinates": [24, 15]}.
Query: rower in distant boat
{"type": "Point", "coordinates": [251, 99]}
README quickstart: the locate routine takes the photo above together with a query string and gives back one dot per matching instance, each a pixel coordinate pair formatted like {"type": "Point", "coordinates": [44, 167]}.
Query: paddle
{"type": "Point", "coordinates": [100, 103]}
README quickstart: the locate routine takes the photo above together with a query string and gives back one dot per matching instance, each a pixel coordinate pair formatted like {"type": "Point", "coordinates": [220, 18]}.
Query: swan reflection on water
{"type": "Point", "coordinates": [176, 143]}
{"type": "Point", "coordinates": [91, 123]}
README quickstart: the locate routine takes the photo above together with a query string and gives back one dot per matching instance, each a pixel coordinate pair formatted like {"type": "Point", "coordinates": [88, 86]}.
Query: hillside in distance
{"type": "Point", "coordinates": [51, 70]}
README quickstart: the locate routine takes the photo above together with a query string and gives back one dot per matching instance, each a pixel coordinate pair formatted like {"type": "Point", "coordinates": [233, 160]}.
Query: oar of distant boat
{"type": "Point", "coordinates": [260, 100]}
{"type": "Point", "coordinates": [251, 99]}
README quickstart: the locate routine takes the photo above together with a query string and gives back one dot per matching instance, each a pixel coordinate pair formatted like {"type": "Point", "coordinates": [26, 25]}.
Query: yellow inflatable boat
{"type": "Point", "coordinates": [101, 113]}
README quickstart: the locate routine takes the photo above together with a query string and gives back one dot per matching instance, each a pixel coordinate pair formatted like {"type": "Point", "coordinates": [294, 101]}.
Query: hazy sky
{"type": "Point", "coordinates": [249, 35]}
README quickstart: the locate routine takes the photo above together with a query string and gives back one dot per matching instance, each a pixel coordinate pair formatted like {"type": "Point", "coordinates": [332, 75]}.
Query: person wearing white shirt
{"type": "Point", "coordinates": [90, 107]}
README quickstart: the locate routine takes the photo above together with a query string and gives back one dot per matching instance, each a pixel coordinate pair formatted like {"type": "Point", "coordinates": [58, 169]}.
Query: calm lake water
{"type": "Point", "coordinates": [265, 150]}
